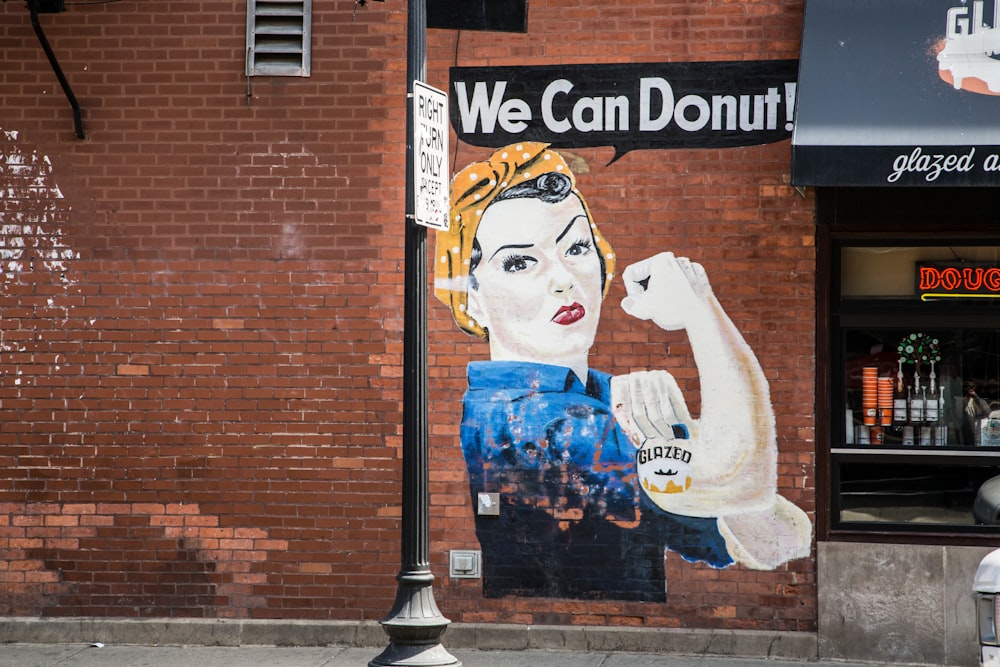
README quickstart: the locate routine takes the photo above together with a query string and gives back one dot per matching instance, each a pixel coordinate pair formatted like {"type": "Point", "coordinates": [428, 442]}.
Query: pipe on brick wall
{"type": "Point", "coordinates": [36, 24]}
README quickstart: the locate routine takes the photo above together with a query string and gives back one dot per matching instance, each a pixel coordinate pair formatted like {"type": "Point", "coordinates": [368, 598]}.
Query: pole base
{"type": "Point", "coordinates": [409, 655]}
{"type": "Point", "coordinates": [414, 627]}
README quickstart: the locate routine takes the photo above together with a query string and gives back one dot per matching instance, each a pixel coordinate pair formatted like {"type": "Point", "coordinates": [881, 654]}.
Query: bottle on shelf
{"type": "Point", "coordinates": [941, 430]}
{"type": "Point", "coordinates": [916, 401]}
{"type": "Point", "coordinates": [932, 405]}
{"type": "Point", "coordinates": [900, 410]}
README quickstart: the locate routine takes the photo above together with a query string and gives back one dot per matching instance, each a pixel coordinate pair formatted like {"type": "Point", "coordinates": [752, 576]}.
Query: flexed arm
{"type": "Point", "coordinates": [734, 437]}
{"type": "Point", "coordinates": [731, 457]}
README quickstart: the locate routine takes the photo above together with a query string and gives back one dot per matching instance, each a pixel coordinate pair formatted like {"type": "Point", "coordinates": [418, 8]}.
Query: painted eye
{"type": "Point", "coordinates": [581, 247]}
{"type": "Point", "coordinates": [516, 263]}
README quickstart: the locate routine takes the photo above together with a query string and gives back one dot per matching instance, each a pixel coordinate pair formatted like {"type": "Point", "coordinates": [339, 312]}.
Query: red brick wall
{"type": "Point", "coordinates": [201, 309]}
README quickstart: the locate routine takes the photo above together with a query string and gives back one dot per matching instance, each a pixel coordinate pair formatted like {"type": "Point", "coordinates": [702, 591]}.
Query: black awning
{"type": "Point", "coordinates": [898, 92]}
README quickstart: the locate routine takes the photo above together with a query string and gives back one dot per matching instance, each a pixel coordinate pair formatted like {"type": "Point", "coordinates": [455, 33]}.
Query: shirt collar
{"type": "Point", "coordinates": [524, 376]}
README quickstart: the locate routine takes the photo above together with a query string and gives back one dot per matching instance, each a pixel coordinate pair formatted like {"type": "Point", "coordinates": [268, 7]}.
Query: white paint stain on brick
{"type": "Point", "coordinates": [30, 209]}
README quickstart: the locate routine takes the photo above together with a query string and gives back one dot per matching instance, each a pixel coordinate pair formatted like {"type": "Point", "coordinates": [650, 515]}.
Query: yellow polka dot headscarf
{"type": "Point", "coordinates": [472, 190]}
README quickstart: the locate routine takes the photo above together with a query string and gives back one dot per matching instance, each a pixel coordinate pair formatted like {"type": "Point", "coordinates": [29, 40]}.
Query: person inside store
{"type": "Point", "coordinates": [975, 408]}
{"type": "Point", "coordinates": [598, 474]}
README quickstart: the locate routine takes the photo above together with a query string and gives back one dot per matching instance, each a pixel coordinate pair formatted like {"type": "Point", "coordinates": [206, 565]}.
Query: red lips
{"type": "Point", "coordinates": [569, 314]}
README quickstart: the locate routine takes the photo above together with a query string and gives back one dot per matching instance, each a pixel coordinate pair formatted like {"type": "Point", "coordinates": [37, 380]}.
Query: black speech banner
{"type": "Point", "coordinates": [636, 106]}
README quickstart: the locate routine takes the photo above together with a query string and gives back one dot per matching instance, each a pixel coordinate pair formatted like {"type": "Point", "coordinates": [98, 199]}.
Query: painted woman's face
{"type": "Point", "coordinates": [539, 280]}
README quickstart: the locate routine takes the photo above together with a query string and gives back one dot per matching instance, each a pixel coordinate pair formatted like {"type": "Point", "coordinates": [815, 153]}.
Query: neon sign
{"type": "Point", "coordinates": [955, 281]}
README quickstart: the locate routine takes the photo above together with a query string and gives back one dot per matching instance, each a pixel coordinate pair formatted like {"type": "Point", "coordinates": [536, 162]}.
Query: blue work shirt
{"type": "Point", "coordinates": [574, 521]}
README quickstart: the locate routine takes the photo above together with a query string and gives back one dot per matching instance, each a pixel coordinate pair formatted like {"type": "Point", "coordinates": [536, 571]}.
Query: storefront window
{"type": "Point", "coordinates": [916, 423]}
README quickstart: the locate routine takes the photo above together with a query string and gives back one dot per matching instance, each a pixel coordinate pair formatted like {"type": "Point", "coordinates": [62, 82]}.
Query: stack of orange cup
{"type": "Point", "coordinates": [869, 395]}
{"type": "Point", "coordinates": [885, 401]}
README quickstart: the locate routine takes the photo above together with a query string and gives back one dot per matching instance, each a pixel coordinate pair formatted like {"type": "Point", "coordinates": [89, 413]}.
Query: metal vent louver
{"type": "Point", "coordinates": [278, 37]}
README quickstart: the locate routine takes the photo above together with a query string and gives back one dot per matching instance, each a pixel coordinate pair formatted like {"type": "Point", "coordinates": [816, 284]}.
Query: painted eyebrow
{"type": "Point", "coordinates": [510, 245]}
{"type": "Point", "coordinates": [563, 233]}
{"type": "Point", "coordinates": [566, 230]}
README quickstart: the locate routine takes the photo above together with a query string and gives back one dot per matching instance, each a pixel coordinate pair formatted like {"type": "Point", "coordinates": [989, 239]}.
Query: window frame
{"type": "Point", "coordinates": [877, 217]}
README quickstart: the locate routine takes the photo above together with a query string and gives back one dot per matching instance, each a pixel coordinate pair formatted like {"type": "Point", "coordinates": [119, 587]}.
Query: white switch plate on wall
{"type": "Point", "coordinates": [464, 564]}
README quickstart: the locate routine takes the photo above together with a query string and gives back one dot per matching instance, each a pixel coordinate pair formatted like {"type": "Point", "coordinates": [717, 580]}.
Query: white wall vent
{"type": "Point", "coordinates": [278, 37]}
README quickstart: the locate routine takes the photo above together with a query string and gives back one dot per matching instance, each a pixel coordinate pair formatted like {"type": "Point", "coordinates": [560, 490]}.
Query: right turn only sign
{"type": "Point", "coordinates": [430, 156]}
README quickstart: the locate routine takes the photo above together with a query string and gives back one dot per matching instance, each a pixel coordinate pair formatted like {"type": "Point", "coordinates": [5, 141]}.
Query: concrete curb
{"type": "Point", "coordinates": [484, 636]}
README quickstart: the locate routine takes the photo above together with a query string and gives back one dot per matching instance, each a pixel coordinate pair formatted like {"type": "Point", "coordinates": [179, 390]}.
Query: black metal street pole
{"type": "Point", "coordinates": [415, 624]}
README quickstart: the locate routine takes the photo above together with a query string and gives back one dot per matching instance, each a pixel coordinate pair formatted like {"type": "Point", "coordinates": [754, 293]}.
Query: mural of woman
{"type": "Point", "coordinates": [597, 475]}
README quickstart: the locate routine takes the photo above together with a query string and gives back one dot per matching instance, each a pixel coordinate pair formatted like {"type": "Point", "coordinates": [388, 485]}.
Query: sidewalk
{"type": "Point", "coordinates": [164, 642]}
{"type": "Point", "coordinates": [88, 655]}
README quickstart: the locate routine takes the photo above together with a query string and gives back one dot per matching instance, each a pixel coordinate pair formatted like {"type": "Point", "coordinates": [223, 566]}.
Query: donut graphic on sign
{"type": "Point", "coordinates": [969, 56]}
